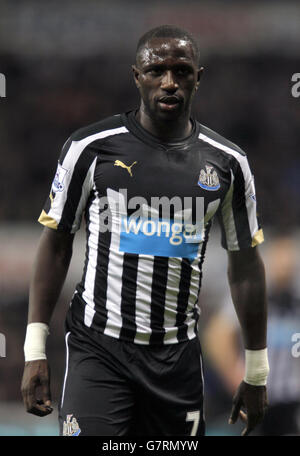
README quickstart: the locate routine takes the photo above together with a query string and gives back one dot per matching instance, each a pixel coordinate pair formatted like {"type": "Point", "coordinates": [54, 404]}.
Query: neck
{"type": "Point", "coordinates": [165, 130]}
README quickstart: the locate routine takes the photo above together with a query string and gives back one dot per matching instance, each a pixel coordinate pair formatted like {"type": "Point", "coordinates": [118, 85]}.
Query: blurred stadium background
{"type": "Point", "coordinates": [67, 64]}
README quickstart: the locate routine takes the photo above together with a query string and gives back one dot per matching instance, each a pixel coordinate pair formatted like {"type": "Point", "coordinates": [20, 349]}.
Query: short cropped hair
{"type": "Point", "coordinates": [168, 31]}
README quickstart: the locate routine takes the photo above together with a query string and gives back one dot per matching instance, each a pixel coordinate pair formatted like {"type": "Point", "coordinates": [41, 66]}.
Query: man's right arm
{"type": "Point", "coordinates": [48, 275]}
{"type": "Point", "coordinates": [49, 272]}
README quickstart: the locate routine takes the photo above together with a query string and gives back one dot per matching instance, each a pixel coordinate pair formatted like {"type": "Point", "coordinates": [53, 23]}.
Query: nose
{"type": "Point", "coordinates": [168, 82]}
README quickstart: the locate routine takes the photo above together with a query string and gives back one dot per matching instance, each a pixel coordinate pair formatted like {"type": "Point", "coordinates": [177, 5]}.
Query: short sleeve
{"type": "Point", "coordinates": [237, 214]}
{"type": "Point", "coordinates": [72, 184]}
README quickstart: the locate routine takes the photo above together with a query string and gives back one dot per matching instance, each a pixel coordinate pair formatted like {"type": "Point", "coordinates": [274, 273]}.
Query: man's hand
{"type": "Point", "coordinates": [254, 400]}
{"type": "Point", "coordinates": [35, 387]}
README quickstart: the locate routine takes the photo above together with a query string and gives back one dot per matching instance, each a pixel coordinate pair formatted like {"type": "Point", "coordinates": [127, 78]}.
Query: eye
{"type": "Point", "coordinates": [183, 71]}
{"type": "Point", "coordinates": [155, 71]}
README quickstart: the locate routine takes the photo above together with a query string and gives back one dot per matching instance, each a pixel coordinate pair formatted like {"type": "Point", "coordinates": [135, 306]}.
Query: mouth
{"type": "Point", "coordinates": [169, 103]}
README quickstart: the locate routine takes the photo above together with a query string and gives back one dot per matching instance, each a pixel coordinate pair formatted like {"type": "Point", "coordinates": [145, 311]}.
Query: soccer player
{"type": "Point", "coordinates": [133, 356]}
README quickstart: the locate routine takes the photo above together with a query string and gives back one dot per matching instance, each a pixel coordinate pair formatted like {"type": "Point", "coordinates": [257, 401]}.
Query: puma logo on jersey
{"type": "Point", "coordinates": [120, 163]}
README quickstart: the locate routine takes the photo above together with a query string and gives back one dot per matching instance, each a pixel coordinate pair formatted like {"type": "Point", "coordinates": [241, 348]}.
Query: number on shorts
{"type": "Point", "coordinates": [193, 416]}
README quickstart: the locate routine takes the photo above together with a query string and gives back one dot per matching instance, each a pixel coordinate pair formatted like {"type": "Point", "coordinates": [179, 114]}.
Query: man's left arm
{"type": "Point", "coordinates": [246, 275]}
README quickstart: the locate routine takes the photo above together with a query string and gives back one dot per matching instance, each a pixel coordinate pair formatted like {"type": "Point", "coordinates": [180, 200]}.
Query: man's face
{"type": "Point", "coordinates": [167, 77]}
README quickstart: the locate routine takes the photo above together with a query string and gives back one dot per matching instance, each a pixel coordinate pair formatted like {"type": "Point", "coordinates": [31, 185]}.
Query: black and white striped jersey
{"type": "Point", "coordinates": [143, 268]}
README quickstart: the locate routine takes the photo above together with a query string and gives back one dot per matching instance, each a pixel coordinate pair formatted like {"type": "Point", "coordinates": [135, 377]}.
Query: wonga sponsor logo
{"type": "Point", "coordinates": [159, 237]}
{"type": "Point", "coordinates": [144, 232]}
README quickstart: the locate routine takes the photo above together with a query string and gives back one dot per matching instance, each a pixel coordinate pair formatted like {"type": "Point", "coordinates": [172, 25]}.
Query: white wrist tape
{"type": "Point", "coordinates": [35, 341]}
{"type": "Point", "coordinates": [257, 367]}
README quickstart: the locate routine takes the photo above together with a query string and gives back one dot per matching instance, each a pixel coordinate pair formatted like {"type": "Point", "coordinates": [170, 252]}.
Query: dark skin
{"type": "Point", "coordinates": [246, 276]}
{"type": "Point", "coordinates": [167, 76]}
{"type": "Point", "coordinates": [48, 275]}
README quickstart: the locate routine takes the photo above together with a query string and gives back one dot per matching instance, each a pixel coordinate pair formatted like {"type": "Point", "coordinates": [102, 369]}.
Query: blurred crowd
{"type": "Point", "coordinates": [246, 99]}
{"type": "Point", "coordinates": [223, 345]}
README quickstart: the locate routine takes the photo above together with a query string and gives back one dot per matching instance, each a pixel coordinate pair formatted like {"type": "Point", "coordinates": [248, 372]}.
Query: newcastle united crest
{"type": "Point", "coordinates": [71, 427]}
{"type": "Point", "coordinates": [209, 179]}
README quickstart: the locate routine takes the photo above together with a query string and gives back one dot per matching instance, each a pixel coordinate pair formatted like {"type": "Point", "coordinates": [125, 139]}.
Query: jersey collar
{"type": "Point", "coordinates": [137, 130]}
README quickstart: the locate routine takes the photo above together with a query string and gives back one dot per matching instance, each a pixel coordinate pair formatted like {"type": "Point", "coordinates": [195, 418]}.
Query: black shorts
{"type": "Point", "coordinates": [118, 388]}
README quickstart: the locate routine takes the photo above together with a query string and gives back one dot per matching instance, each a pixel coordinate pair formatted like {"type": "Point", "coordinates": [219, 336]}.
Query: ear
{"type": "Point", "coordinates": [136, 74]}
{"type": "Point", "coordinates": [199, 75]}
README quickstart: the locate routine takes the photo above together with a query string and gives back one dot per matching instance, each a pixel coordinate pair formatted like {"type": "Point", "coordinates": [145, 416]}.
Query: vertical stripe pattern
{"type": "Point", "coordinates": [241, 200]}
{"type": "Point", "coordinates": [89, 282]}
{"type": "Point", "coordinates": [67, 368]}
{"type": "Point", "coordinates": [142, 278]}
